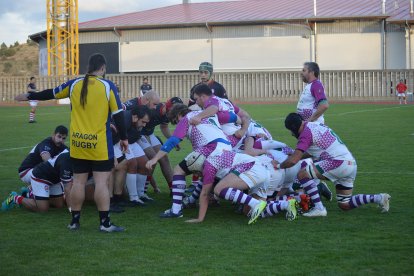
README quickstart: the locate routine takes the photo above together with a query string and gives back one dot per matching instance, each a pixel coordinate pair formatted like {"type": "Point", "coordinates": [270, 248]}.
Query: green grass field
{"type": "Point", "coordinates": [359, 242]}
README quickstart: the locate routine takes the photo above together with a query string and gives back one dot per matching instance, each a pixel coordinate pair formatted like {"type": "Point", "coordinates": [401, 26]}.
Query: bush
{"type": "Point", "coordinates": [7, 67]}
{"type": "Point", "coordinates": [8, 52]}
{"type": "Point", "coordinates": [16, 44]}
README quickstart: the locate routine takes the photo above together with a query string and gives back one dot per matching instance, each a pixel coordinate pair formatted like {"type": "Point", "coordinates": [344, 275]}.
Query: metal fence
{"type": "Point", "coordinates": [376, 85]}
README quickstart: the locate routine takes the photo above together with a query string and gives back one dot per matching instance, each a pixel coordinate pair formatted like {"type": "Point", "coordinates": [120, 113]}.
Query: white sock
{"type": "Point", "coordinates": [140, 182]}
{"type": "Point", "coordinates": [131, 180]}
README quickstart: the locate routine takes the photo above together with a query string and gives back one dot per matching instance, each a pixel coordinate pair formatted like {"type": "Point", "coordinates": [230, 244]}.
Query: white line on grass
{"type": "Point", "coordinates": [345, 113]}
{"type": "Point", "coordinates": [37, 114]}
{"type": "Point", "coordinates": [9, 149]}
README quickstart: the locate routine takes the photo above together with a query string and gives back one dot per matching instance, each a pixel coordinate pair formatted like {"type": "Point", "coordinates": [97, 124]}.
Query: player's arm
{"type": "Point", "coordinates": [203, 201]}
{"type": "Point", "coordinates": [45, 155]}
{"type": "Point", "coordinates": [245, 118]}
{"type": "Point", "coordinates": [249, 149]}
{"type": "Point", "coordinates": [291, 160]}
{"type": "Point", "coordinates": [323, 105]}
{"type": "Point", "coordinates": [165, 130]}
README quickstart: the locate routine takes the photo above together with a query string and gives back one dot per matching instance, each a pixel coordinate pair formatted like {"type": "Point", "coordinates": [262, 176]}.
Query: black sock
{"type": "Point", "coordinates": [117, 198]}
{"type": "Point", "coordinates": [104, 218]}
{"type": "Point", "coordinates": [75, 217]}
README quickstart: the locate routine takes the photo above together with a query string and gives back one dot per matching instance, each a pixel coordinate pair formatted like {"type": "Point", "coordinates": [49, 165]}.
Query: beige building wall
{"type": "Point", "coordinates": [395, 48]}
{"type": "Point", "coordinates": [260, 53]}
{"type": "Point", "coordinates": [349, 51]}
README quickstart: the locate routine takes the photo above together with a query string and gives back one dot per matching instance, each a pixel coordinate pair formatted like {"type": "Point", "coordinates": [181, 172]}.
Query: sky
{"type": "Point", "coordinates": [21, 18]}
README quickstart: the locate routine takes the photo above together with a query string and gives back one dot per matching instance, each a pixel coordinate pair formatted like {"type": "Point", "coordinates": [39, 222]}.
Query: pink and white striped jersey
{"type": "Point", "coordinates": [201, 135]}
{"type": "Point", "coordinates": [322, 143]}
{"type": "Point", "coordinates": [310, 97]}
{"type": "Point", "coordinates": [220, 165]}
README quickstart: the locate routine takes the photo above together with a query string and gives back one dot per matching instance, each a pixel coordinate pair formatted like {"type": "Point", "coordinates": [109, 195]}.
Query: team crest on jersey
{"type": "Point", "coordinates": [47, 148]}
{"type": "Point", "coordinates": [46, 188]}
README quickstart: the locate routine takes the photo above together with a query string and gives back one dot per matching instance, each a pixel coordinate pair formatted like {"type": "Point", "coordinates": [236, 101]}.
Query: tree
{"type": "Point", "coordinates": [7, 67]}
{"type": "Point", "coordinates": [16, 44]}
{"type": "Point", "coordinates": [3, 46]}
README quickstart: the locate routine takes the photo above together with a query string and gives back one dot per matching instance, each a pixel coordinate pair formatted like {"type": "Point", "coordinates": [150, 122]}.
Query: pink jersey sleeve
{"type": "Point", "coordinates": [305, 139]}
{"type": "Point", "coordinates": [210, 102]}
{"type": "Point", "coordinates": [236, 108]}
{"type": "Point", "coordinates": [209, 172]}
{"type": "Point", "coordinates": [182, 128]}
{"type": "Point", "coordinates": [318, 91]}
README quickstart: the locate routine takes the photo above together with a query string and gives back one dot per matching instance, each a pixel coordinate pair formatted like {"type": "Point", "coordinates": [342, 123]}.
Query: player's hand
{"type": "Point", "coordinates": [275, 164]}
{"type": "Point", "coordinates": [150, 164]}
{"type": "Point", "coordinates": [124, 146]}
{"type": "Point", "coordinates": [113, 127]}
{"type": "Point", "coordinates": [194, 220]}
{"type": "Point", "coordinates": [22, 97]}
{"type": "Point", "coordinates": [195, 120]}
{"type": "Point", "coordinates": [240, 133]}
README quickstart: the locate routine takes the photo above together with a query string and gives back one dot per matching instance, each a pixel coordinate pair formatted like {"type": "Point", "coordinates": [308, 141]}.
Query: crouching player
{"type": "Point", "coordinates": [335, 163]}
{"type": "Point", "coordinates": [48, 180]}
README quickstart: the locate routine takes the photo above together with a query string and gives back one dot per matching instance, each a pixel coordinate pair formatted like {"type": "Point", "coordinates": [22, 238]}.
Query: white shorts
{"type": "Point", "coordinates": [33, 103]}
{"type": "Point", "coordinates": [401, 95]}
{"type": "Point", "coordinates": [43, 188]}
{"type": "Point", "coordinates": [195, 107]}
{"type": "Point", "coordinates": [148, 141]}
{"type": "Point", "coordinates": [117, 150]}
{"type": "Point", "coordinates": [135, 151]}
{"type": "Point", "coordinates": [26, 176]}
{"type": "Point", "coordinates": [343, 174]}
{"type": "Point", "coordinates": [276, 178]}
{"type": "Point", "coordinates": [257, 175]}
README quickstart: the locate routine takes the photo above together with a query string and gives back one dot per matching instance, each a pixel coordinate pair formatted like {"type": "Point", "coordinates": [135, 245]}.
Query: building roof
{"type": "Point", "coordinates": [235, 12]}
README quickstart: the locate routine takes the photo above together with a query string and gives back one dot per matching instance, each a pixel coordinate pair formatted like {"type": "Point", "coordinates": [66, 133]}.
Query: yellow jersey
{"type": "Point", "coordinates": [90, 133]}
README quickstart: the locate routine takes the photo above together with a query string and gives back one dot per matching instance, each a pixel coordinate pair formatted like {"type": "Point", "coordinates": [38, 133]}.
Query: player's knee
{"type": "Point", "coordinates": [343, 201]}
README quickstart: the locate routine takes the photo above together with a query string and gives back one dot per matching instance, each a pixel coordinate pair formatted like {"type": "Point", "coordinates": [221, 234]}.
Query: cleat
{"type": "Point", "coordinates": [385, 203]}
{"type": "Point", "coordinates": [324, 191]}
{"type": "Point", "coordinates": [74, 226]}
{"type": "Point", "coordinates": [146, 198]}
{"type": "Point", "coordinates": [169, 214]}
{"type": "Point", "coordinates": [32, 122]}
{"type": "Point", "coordinates": [115, 208]}
{"type": "Point", "coordinates": [187, 204]}
{"type": "Point", "coordinates": [291, 212]}
{"type": "Point", "coordinates": [137, 202]}
{"type": "Point", "coordinates": [304, 202]}
{"type": "Point", "coordinates": [8, 203]}
{"type": "Point", "coordinates": [157, 190]}
{"type": "Point", "coordinates": [256, 211]}
{"type": "Point", "coordinates": [111, 228]}
{"type": "Point", "coordinates": [315, 212]}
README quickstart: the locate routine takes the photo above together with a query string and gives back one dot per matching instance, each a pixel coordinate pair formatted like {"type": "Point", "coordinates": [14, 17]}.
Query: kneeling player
{"type": "Point", "coordinates": [47, 181]}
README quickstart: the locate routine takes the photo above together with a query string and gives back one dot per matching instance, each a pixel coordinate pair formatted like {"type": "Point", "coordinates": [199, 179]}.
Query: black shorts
{"type": "Point", "coordinates": [87, 166]}
{"type": "Point", "coordinates": [183, 166]}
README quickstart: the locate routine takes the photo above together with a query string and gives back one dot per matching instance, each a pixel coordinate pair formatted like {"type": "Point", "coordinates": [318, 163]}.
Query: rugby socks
{"type": "Point", "coordinates": [178, 188]}
{"type": "Point", "coordinates": [196, 193]}
{"type": "Point", "coordinates": [104, 218]}
{"type": "Point", "coordinates": [238, 196]}
{"type": "Point", "coordinates": [195, 180]}
{"type": "Point", "coordinates": [131, 183]}
{"type": "Point", "coordinates": [359, 200]}
{"type": "Point", "coordinates": [18, 199]}
{"type": "Point", "coordinates": [75, 217]}
{"type": "Point", "coordinates": [31, 116]}
{"type": "Point", "coordinates": [274, 207]}
{"type": "Point", "coordinates": [141, 180]}
{"type": "Point", "coordinates": [309, 185]}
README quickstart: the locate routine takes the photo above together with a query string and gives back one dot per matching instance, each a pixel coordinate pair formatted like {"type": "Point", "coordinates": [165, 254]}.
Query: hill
{"type": "Point", "coordinates": [19, 60]}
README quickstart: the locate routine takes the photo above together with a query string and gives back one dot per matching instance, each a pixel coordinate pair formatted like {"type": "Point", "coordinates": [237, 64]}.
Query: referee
{"type": "Point", "coordinates": [93, 101]}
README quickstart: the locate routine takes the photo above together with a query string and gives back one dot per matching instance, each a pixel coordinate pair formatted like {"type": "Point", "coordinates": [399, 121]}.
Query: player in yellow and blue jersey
{"type": "Point", "coordinates": [93, 101]}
